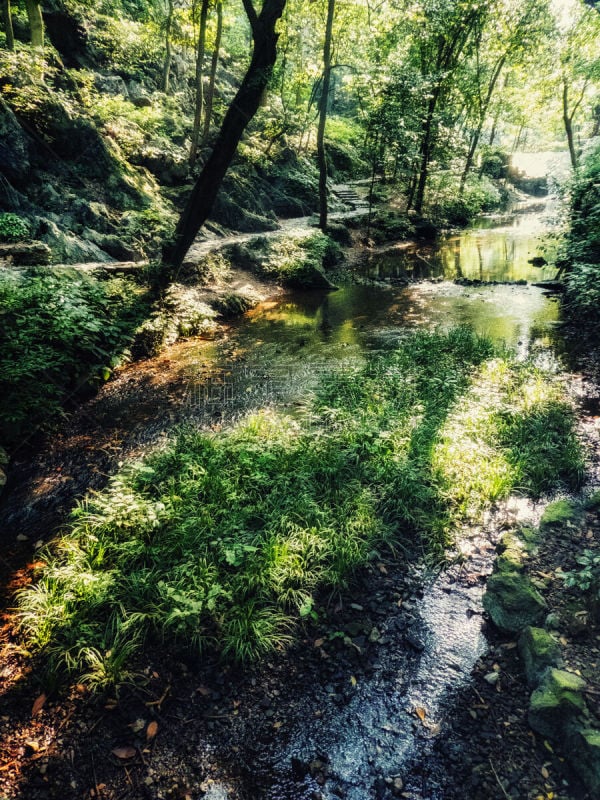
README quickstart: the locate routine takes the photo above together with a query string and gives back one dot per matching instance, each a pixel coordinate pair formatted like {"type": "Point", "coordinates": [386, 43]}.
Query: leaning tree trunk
{"type": "Point", "coordinates": [425, 152]}
{"type": "Point", "coordinates": [166, 76]}
{"type": "Point", "coordinates": [199, 83]}
{"type": "Point", "coordinates": [36, 23]}
{"type": "Point", "coordinates": [210, 94]}
{"type": "Point", "coordinates": [243, 107]}
{"type": "Point", "coordinates": [8, 26]}
{"type": "Point", "coordinates": [321, 154]}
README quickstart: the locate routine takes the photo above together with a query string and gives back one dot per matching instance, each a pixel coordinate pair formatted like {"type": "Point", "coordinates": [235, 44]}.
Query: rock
{"type": "Point", "coordinates": [492, 678]}
{"type": "Point", "coordinates": [308, 277]}
{"type": "Point", "coordinates": [539, 650]}
{"type": "Point", "coordinates": [110, 84]}
{"type": "Point", "coordinates": [556, 703]}
{"type": "Point", "coordinates": [558, 514]}
{"type": "Point", "coordinates": [4, 457]}
{"type": "Point", "coordinates": [68, 248]}
{"type": "Point", "coordinates": [584, 754]}
{"type": "Point", "coordinates": [512, 601]}
{"type": "Point", "coordinates": [25, 254]}
{"type": "Point", "coordinates": [138, 95]}
{"type": "Point", "coordinates": [3, 479]}
{"type": "Point", "coordinates": [14, 147]}
{"type": "Point", "coordinates": [514, 547]}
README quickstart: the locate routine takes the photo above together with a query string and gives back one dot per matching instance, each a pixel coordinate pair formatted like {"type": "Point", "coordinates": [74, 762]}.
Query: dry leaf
{"type": "Point", "coordinates": [353, 680]}
{"type": "Point", "coordinates": [33, 745]}
{"type": "Point", "coordinates": [545, 773]}
{"type": "Point", "coordinates": [124, 752]}
{"type": "Point", "coordinates": [548, 746]}
{"type": "Point", "coordinates": [111, 704]}
{"type": "Point", "coordinates": [277, 725]}
{"type": "Point", "coordinates": [38, 705]}
{"type": "Point", "coordinates": [151, 730]}
{"type": "Point", "coordinates": [319, 642]}
{"type": "Point", "coordinates": [420, 712]}
{"type": "Point", "coordinates": [203, 691]}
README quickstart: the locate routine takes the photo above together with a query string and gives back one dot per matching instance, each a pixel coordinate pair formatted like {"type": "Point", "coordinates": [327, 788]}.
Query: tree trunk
{"type": "Point", "coordinates": [8, 26]}
{"type": "Point", "coordinates": [199, 83]}
{"type": "Point", "coordinates": [166, 76]}
{"type": "Point", "coordinates": [36, 23]}
{"type": "Point", "coordinates": [240, 112]}
{"type": "Point", "coordinates": [482, 115]}
{"type": "Point", "coordinates": [425, 153]}
{"type": "Point", "coordinates": [321, 154]}
{"type": "Point", "coordinates": [210, 95]}
{"type": "Point", "coordinates": [568, 120]}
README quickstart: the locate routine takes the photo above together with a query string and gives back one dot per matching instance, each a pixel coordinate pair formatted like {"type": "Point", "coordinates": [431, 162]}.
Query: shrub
{"type": "Point", "coordinates": [13, 228]}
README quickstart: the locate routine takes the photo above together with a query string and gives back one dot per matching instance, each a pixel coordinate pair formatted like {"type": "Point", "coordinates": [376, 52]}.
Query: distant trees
{"type": "Point", "coordinates": [36, 23]}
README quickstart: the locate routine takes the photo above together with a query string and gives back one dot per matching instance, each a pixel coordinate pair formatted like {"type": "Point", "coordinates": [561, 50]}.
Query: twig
{"type": "Point", "coordinates": [504, 792]}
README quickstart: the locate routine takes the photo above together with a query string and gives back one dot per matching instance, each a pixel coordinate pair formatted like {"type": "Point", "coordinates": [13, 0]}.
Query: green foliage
{"type": "Point", "coordinates": [61, 334]}
{"type": "Point", "coordinates": [13, 228]}
{"type": "Point", "coordinates": [445, 204]}
{"type": "Point", "coordinates": [583, 246]}
{"type": "Point", "coordinates": [586, 579]}
{"type": "Point", "coordinates": [225, 539]}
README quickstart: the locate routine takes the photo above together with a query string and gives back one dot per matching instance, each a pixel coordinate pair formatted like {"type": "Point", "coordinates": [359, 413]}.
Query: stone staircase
{"type": "Point", "coordinates": [347, 194]}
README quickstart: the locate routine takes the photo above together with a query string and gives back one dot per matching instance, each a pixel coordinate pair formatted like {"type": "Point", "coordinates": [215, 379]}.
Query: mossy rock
{"type": "Point", "coordinates": [584, 754]}
{"type": "Point", "coordinates": [514, 547]}
{"type": "Point", "coordinates": [558, 514]}
{"type": "Point", "coordinates": [539, 650]}
{"type": "Point", "coordinates": [593, 502]}
{"type": "Point", "coordinates": [308, 276]}
{"type": "Point", "coordinates": [556, 703]}
{"type": "Point", "coordinates": [512, 601]}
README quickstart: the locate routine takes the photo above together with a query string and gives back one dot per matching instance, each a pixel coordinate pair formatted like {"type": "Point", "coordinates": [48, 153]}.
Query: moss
{"type": "Point", "coordinates": [584, 753]}
{"type": "Point", "coordinates": [512, 601]}
{"type": "Point", "coordinates": [558, 514]}
{"type": "Point", "coordinates": [556, 703]}
{"type": "Point", "coordinates": [593, 502]}
{"type": "Point", "coordinates": [539, 650]}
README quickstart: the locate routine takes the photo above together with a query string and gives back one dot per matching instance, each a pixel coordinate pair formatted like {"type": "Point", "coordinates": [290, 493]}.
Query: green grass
{"type": "Point", "coordinates": [225, 540]}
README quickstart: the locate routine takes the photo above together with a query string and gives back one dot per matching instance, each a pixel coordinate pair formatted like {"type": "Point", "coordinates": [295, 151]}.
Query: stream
{"type": "Point", "coordinates": [357, 732]}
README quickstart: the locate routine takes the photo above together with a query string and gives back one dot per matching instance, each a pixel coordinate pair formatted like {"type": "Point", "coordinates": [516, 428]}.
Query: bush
{"type": "Point", "coordinates": [13, 228]}
{"type": "Point", "coordinates": [226, 539]}
{"type": "Point", "coordinates": [61, 334]}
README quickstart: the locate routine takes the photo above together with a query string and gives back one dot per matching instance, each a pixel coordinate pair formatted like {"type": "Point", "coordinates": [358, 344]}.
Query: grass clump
{"type": "Point", "coordinates": [61, 333]}
{"type": "Point", "coordinates": [225, 539]}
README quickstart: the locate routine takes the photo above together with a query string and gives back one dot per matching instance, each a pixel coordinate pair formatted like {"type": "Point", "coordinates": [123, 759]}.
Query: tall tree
{"type": "Point", "coordinates": [323, 108]}
{"type": "Point", "coordinates": [36, 23]}
{"type": "Point", "coordinates": [199, 83]}
{"type": "Point", "coordinates": [214, 63]}
{"type": "Point", "coordinates": [8, 26]}
{"type": "Point", "coordinates": [166, 76]}
{"type": "Point", "coordinates": [242, 109]}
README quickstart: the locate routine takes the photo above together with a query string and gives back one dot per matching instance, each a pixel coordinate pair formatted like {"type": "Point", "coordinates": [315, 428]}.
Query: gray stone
{"type": "Point", "coordinates": [14, 147]}
{"type": "Point", "coordinates": [584, 754]}
{"type": "Point", "coordinates": [25, 254]}
{"type": "Point", "coordinates": [110, 84]}
{"type": "Point", "coordinates": [138, 95]}
{"type": "Point", "coordinates": [513, 602]}
{"type": "Point", "coordinates": [539, 650]}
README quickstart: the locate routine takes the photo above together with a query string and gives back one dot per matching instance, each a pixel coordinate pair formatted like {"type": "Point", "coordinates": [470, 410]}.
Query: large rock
{"type": "Point", "coordinates": [67, 248]}
{"type": "Point", "coordinates": [110, 84]}
{"type": "Point", "coordinates": [27, 254]}
{"type": "Point", "coordinates": [138, 95]}
{"type": "Point", "coordinates": [14, 147]}
{"type": "Point", "coordinates": [539, 650]}
{"type": "Point", "coordinates": [308, 276]}
{"type": "Point", "coordinates": [584, 754]}
{"type": "Point", "coordinates": [513, 602]}
{"type": "Point", "coordinates": [556, 704]}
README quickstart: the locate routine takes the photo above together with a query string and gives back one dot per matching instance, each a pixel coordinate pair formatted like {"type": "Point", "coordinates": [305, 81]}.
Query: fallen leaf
{"type": "Point", "coordinates": [319, 642]}
{"type": "Point", "coordinates": [111, 704]}
{"type": "Point", "coordinates": [38, 705]}
{"type": "Point", "coordinates": [33, 745]}
{"type": "Point", "coordinates": [352, 680]}
{"type": "Point", "coordinates": [277, 725]}
{"type": "Point", "coordinates": [420, 712]}
{"type": "Point", "coordinates": [548, 746]}
{"type": "Point", "coordinates": [382, 569]}
{"type": "Point", "coordinates": [124, 752]}
{"type": "Point", "coordinates": [152, 730]}
{"type": "Point", "coordinates": [203, 691]}
{"type": "Point", "coordinates": [473, 713]}
{"type": "Point", "coordinates": [545, 773]}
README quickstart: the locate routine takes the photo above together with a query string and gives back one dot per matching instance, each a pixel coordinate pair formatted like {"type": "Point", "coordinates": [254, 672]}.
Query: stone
{"type": "Point", "coordinates": [559, 513]}
{"type": "Point", "coordinates": [110, 84]}
{"type": "Point", "coordinates": [25, 254]}
{"type": "Point", "coordinates": [138, 95]}
{"type": "Point", "coordinates": [512, 602]}
{"type": "Point", "coordinates": [556, 703]}
{"type": "Point", "coordinates": [4, 457]}
{"type": "Point", "coordinates": [308, 277]}
{"type": "Point", "coordinates": [14, 147]}
{"type": "Point", "coordinates": [3, 479]}
{"type": "Point", "coordinates": [584, 754]}
{"type": "Point", "coordinates": [539, 650]}
{"type": "Point", "coordinates": [514, 547]}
